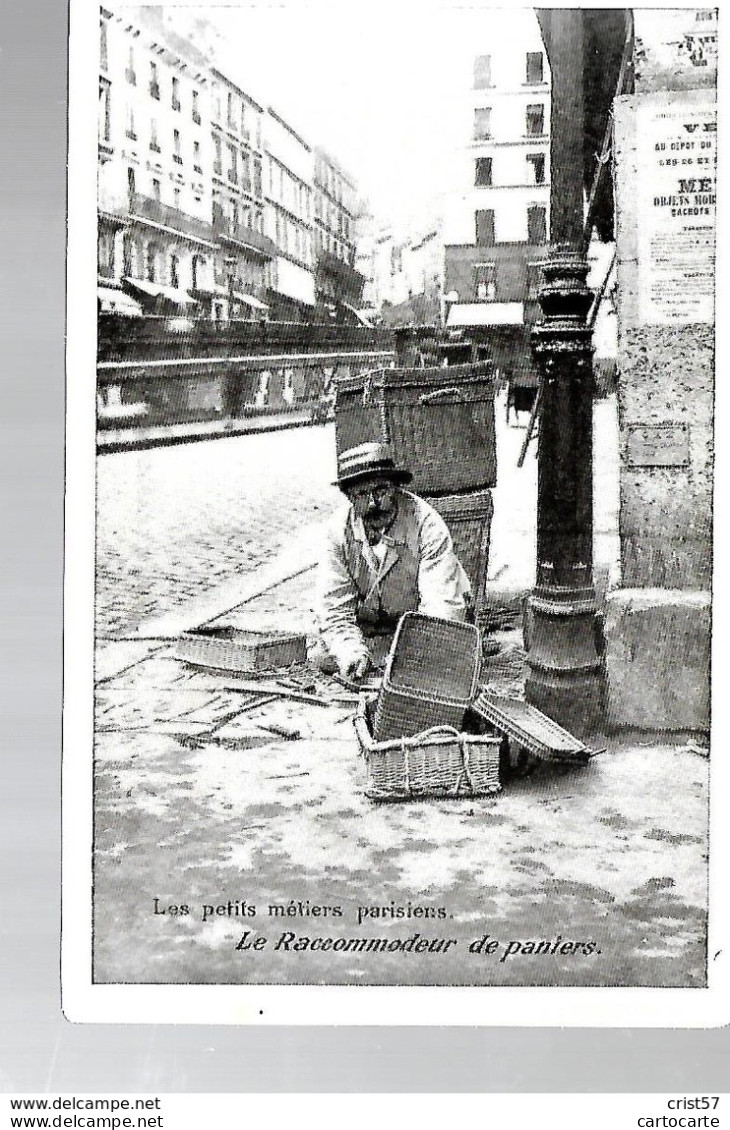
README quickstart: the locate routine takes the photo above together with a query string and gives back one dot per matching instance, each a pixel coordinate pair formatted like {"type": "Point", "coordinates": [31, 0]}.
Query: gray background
{"type": "Point", "coordinates": [39, 1050]}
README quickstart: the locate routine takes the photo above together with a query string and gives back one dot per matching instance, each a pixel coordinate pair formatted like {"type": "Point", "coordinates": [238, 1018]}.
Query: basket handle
{"type": "Point", "coordinates": [440, 394]}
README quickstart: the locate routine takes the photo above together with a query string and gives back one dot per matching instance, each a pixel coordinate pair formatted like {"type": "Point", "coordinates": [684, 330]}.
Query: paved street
{"type": "Point", "coordinates": [200, 803]}
{"type": "Point", "coordinates": [175, 521]}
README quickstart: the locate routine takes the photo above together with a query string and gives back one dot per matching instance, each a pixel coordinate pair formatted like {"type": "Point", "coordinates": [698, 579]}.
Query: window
{"type": "Point", "coordinates": [156, 189]}
{"type": "Point", "coordinates": [218, 157]}
{"type": "Point", "coordinates": [485, 282]}
{"type": "Point", "coordinates": [245, 172]}
{"type": "Point", "coordinates": [131, 185]}
{"type": "Point", "coordinates": [196, 108]}
{"type": "Point", "coordinates": [103, 47]}
{"type": "Point", "coordinates": [131, 132]}
{"type": "Point", "coordinates": [176, 197]}
{"type": "Point", "coordinates": [151, 262]}
{"type": "Point", "coordinates": [198, 264]}
{"type": "Point", "coordinates": [483, 172]}
{"type": "Point", "coordinates": [483, 122]}
{"type": "Point", "coordinates": [154, 145]}
{"type": "Point", "coordinates": [536, 224]}
{"type": "Point", "coordinates": [534, 67]}
{"type": "Point", "coordinates": [154, 81]}
{"type": "Point", "coordinates": [231, 102]}
{"type": "Point", "coordinates": [535, 121]}
{"type": "Point", "coordinates": [484, 223]}
{"type": "Point", "coordinates": [130, 74]}
{"type": "Point", "coordinates": [244, 122]}
{"type": "Point", "coordinates": [232, 164]}
{"type": "Point", "coordinates": [104, 111]}
{"type": "Point", "coordinates": [482, 71]}
{"type": "Point", "coordinates": [175, 93]}
{"type": "Point", "coordinates": [176, 155]}
{"type": "Point", "coordinates": [196, 157]}
{"type": "Point", "coordinates": [105, 254]}
{"type": "Point", "coordinates": [534, 280]}
{"type": "Point", "coordinates": [174, 271]}
{"type": "Point", "coordinates": [536, 168]}
{"type": "Point", "coordinates": [131, 257]}
{"type": "Point", "coordinates": [257, 187]}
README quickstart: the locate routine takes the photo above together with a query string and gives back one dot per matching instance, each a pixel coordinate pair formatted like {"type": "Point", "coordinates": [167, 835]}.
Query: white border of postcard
{"type": "Point", "coordinates": [242, 1004]}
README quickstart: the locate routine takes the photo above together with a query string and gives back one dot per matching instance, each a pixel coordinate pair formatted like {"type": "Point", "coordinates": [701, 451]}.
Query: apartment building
{"type": "Point", "coordinates": [497, 222]}
{"type": "Point", "coordinates": [338, 284]}
{"type": "Point", "coordinates": [288, 179]}
{"type": "Point", "coordinates": [243, 265]}
{"type": "Point", "coordinates": [205, 197]}
{"type": "Point", "coordinates": [155, 237]}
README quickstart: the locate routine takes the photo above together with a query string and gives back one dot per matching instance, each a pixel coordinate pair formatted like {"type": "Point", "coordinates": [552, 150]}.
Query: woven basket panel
{"type": "Point", "coordinates": [436, 658]}
{"type": "Point", "coordinates": [470, 530]}
{"type": "Point", "coordinates": [447, 447]}
{"type": "Point", "coordinates": [402, 715]}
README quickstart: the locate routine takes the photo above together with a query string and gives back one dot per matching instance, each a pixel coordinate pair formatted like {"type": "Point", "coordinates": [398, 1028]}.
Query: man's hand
{"type": "Point", "coordinates": [358, 668]}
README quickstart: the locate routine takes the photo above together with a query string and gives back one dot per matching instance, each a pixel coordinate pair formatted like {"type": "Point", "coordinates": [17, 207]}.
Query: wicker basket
{"type": "Point", "coordinates": [469, 521]}
{"type": "Point", "coordinates": [233, 649]}
{"type": "Point", "coordinates": [441, 762]}
{"type": "Point", "coordinates": [430, 678]}
{"type": "Point", "coordinates": [439, 422]}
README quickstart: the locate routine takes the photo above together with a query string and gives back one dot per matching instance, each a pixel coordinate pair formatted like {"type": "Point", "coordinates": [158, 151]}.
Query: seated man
{"type": "Point", "coordinates": [390, 553]}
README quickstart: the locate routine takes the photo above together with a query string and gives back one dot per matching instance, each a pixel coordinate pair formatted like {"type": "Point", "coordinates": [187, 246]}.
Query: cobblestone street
{"type": "Point", "coordinates": [173, 521]}
{"type": "Point", "coordinates": [199, 802]}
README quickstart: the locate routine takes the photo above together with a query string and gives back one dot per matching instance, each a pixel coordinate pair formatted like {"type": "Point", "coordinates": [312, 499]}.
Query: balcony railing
{"type": "Point", "coordinates": [147, 208]}
{"type": "Point", "coordinates": [242, 235]}
{"type": "Point", "coordinates": [349, 279]}
{"type": "Point", "coordinates": [197, 118]}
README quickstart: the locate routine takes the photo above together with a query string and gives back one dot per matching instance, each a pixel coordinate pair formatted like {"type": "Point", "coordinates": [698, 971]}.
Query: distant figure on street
{"type": "Point", "coordinates": [390, 553]}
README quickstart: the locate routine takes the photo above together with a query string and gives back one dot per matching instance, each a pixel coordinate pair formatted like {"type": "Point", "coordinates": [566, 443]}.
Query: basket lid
{"type": "Point", "coordinates": [435, 658]}
{"type": "Point", "coordinates": [529, 727]}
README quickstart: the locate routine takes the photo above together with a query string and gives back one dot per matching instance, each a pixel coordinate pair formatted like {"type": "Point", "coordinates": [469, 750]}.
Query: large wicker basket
{"type": "Point", "coordinates": [441, 762]}
{"type": "Point", "coordinates": [438, 420]}
{"type": "Point", "coordinates": [431, 676]}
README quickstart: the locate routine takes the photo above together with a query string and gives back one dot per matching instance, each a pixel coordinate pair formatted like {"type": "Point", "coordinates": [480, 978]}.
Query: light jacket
{"type": "Point", "coordinates": [419, 573]}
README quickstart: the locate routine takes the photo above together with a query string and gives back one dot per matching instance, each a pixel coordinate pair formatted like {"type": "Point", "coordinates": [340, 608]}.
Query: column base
{"type": "Point", "coordinates": [567, 678]}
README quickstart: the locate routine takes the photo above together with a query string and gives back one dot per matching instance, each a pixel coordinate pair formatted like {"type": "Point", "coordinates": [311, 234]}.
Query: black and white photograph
{"type": "Point", "coordinates": [389, 547]}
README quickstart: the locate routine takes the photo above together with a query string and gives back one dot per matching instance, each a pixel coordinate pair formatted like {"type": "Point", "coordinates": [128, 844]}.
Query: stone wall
{"type": "Point", "coordinates": [666, 337]}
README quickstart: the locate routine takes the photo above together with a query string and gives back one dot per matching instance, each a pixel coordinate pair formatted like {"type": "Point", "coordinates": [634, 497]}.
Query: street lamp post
{"type": "Point", "coordinates": [566, 676]}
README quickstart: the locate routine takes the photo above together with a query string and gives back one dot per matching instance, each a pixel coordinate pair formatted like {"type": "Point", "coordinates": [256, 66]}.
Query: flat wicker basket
{"type": "Point", "coordinates": [440, 762]}
{"type": "Point", "coordinates": [431, 676]}
{"type": "Point", "coordinates": [237, 649]}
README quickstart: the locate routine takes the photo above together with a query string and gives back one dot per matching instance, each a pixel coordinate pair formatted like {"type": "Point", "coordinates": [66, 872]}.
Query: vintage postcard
{"type": "Point", "coordinates": [390, 470]}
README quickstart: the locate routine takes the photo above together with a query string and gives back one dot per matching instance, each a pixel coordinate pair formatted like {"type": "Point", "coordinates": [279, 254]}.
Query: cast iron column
{"type": "Point", "coordinates": [566, 676]}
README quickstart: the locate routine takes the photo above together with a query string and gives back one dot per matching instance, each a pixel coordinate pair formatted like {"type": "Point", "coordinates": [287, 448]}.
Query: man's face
{"type": "Point", "coordinates": [375, 500]}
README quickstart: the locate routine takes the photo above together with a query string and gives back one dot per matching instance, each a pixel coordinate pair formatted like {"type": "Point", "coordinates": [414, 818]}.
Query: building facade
{"type": "Point", "coordinates": [155, 236]}
{"type": "Point", "coordinates": [338, 283]}
{"type": "Point", "coordinates": [205, 197]}
{"type": "Point", "coordinates": [497, 222]}
{"type": "Point", "coordinates": [288, 219]}
{"type": "Point", "coordinates": [243, 266]}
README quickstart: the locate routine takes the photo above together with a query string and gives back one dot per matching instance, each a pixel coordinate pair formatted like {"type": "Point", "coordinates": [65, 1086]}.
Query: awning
{"type": "Point", "coordinates": [117, 302]}
{"type": "Point", "coordinates": [250, 300]}
{"type": "Point", "coordinates": [157, 290]}
{"type": "Point", "coordinates": [223, 292]}
{"type": "Point", "coordinates": [486, 314]}
{"type": "Point", "coordinates": [361, 319]}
